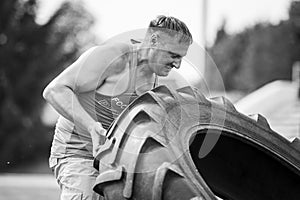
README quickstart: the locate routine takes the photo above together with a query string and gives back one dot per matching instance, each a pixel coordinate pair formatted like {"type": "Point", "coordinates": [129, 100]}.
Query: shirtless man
{"type": "Point", "coordinates": [94, 90]}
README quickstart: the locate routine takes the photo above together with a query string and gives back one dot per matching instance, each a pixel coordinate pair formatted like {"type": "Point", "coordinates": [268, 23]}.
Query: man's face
{"type": "Point", "coordinates": [167, 54]}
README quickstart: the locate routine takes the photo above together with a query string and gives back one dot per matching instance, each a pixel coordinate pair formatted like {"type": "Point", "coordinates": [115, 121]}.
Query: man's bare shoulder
{"type": "Point", "coordinates": [113, 48]}
{"type": "Point", "coordinates": [115, 55]}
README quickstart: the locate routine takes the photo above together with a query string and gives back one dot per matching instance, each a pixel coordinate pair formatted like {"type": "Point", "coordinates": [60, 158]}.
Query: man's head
{"type": "Point", "coordinates": [167, 40]}
{"type": "Point", "coordinates": [172, 27]}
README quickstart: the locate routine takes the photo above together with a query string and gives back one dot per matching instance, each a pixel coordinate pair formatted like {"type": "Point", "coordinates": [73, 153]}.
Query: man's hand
{"type": "Point", "coordinates": [98, 134]}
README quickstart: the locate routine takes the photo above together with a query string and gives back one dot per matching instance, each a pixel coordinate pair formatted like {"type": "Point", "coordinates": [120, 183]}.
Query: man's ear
{"type": "Point", "coordinates": [154, 39]}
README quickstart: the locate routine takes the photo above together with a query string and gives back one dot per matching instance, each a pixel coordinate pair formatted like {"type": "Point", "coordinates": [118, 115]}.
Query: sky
{"type": "Point", "coordinates": [117, 16]}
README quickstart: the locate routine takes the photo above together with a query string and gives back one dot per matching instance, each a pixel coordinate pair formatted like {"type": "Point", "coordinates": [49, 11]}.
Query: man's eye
{"type": "Point", "coordinates": [175, 56]}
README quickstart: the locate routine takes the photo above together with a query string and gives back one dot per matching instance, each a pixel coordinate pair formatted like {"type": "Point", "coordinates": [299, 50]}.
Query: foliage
{"type": "Point", "coordinates": [257, 55]}
{"type": "Point", "coordinates": [30, 55]}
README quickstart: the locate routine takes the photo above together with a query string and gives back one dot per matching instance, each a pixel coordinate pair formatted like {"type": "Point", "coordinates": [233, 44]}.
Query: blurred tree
{"type": "Point", "coordinates": [30, 55]}
{"type": "Point", "coordinates": [294, 14]}
{"type": "Point", "coordinates": [228, 54]}
{"type": "Point", "coordinates": [221, 33]}
{"type": "Point", "coordinates": [268, 54]}
{"type": "Point", "coordinates": [258, 54]}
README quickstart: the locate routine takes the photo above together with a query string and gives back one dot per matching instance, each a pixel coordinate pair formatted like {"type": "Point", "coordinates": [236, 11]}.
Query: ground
{"type": "Point", "coordinates": [30, 182]}
{"type": "Point", "coordinates": [28, 187]}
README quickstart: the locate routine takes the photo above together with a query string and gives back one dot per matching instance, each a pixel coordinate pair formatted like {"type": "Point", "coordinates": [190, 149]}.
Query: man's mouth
{"type": "Point", "coordinates": [170, 66]}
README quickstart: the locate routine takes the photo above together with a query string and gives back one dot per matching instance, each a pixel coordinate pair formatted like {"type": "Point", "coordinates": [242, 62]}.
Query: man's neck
{"type": "Point", "coordinates": [143, 68]}
{"type": "Point", "coordinates": [145, 77]}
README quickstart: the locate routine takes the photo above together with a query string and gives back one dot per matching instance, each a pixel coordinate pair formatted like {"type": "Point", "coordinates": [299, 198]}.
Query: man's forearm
{"type": "Point", "coordinates": [66, 103]}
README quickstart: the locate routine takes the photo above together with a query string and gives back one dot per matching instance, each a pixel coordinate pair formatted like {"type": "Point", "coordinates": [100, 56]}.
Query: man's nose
{"type": "Point", "coordinates": [177, 63]}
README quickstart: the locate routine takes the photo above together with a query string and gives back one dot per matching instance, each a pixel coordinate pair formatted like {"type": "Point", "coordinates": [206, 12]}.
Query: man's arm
{"type": "Point", "coordinates": [84, 75]}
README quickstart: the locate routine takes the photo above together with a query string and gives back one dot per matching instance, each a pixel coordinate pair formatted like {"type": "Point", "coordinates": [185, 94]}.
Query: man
{"type": "Point", "coordinates": [94, 90]}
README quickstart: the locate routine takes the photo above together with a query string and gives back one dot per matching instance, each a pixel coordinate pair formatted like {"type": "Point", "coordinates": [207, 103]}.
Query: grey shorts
{"type": "Point", "coordinates": [76, 177]}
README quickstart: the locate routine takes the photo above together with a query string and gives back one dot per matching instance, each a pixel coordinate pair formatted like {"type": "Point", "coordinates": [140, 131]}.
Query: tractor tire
{"type": "Point", "coordinates": [180, 145]}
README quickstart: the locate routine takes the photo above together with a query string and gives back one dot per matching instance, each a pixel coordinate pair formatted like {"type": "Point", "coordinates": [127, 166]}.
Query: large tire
{"type": "Point", "coordinates": [157, 149]}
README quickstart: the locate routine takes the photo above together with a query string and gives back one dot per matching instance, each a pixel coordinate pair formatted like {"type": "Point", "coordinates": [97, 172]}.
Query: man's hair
{"type": "Point", "coordinates": [172, 26]}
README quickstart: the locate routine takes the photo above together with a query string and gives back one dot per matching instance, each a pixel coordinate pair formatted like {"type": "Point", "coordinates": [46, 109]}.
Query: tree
{"type": "Point", "coordinates": [228, 53]}
{"type": "Point", "coordinates": [259, 54]}
{"type": "Point", "coordinates": [30, 55]}
{"type": "Point", "coordinates": [294, 14]}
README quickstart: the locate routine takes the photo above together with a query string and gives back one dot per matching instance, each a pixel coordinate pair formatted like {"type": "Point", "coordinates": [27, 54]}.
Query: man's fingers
{"type": "Point", "coordinates": [101, 131]}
